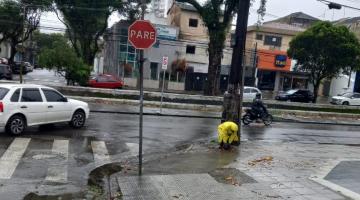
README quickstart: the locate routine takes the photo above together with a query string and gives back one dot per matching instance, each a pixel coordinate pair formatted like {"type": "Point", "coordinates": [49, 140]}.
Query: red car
{"type": "Point", "coordinates": [106, 81]}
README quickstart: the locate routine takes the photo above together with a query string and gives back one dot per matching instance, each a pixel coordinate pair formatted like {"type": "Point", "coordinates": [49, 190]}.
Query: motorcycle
{"type": "Point", "coordinates": [250, 117]}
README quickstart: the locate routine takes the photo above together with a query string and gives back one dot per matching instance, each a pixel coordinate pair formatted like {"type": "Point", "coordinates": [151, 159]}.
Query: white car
{"type": "Point", "coordinates": [23, 105]}
{"type": "Point", "coordinates": [250, 93]}
{"type": "Point", "coordinates": [348, 98]}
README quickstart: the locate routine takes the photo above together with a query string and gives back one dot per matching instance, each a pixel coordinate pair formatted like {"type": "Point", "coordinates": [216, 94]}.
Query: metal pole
{"type": "Point", "coordinates": [141, 83]}
{"type": "Point", "coordinates": [255, 65]}
{"type": "Point", "coordinates": [23, 38]}
{"type": "Point", "coordinates": [162, 91]}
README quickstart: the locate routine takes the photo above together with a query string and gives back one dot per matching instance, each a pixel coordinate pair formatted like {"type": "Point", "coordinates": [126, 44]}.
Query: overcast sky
{"type": "Point", "coordinates": [274, 9]}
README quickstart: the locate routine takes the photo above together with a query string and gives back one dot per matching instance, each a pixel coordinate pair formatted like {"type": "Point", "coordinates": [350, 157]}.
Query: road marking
{"type": "Point", "coordinates": [57, 170]}
{"type": "Point", "coordinates": [11, 158]}
{"type": "Point", "coordinates": [101, 155]}
{"type": "Point", "coordinates": [133, 148]}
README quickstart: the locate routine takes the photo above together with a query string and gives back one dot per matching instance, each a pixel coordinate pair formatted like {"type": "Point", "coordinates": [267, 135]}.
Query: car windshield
{"type": "Point", "coordinates": [290, 91]}
{"type": "Point", "coordinates": [348, 95]}
{"type": "Point", "coordinates": [3, 92]}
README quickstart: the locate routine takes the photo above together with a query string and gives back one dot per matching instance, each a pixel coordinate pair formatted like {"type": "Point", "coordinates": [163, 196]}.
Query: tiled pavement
{"type": "Point", "coordinates": [287, 176]}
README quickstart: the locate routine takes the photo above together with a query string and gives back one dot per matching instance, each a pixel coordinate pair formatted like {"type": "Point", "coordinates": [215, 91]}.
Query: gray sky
{"type": "Point", "coordinates": [274, 8]}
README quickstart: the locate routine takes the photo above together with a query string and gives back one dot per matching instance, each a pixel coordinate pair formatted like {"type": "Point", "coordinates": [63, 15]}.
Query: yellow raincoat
{"type": "Point", "coordinates": [227, 132]}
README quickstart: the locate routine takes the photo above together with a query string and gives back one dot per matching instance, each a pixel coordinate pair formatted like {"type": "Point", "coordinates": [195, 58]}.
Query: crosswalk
{"type": "Point", "coordinates": [57, 169]}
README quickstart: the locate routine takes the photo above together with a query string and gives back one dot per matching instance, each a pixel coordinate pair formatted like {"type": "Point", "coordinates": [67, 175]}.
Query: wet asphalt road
{"type": "Point", "coordinates": [42, 77]}
{"type": "Point", "coordinates": [119, 134]}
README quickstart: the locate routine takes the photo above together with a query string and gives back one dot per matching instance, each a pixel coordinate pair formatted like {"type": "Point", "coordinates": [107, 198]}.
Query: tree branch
{"type": "Point", "coordinates": [72, 38]}
{"type": "Point", "coordinates": [228, 12]}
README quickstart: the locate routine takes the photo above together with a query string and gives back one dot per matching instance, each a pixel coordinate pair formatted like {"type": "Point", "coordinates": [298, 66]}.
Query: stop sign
{"type": "Point", "coordinates": [142, 34]}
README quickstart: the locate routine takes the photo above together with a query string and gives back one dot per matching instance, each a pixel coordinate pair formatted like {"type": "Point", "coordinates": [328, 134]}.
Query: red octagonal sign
{"type": "Point", "coordinates": [142, 34]}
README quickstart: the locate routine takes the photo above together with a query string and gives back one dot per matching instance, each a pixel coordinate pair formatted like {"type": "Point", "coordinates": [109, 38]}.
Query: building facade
{"type": "Point", "coordinates": [193, 34]}
{"type": "Point", "coordinates": [4, 49]}
{"type": "Point", "coordinates": [267, 65]}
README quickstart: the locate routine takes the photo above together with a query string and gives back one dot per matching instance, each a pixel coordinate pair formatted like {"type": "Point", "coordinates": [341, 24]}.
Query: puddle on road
{"type": "Point", "coordinates": [95, 188]}
{"type": "Point", "coordinates": [194, 162]}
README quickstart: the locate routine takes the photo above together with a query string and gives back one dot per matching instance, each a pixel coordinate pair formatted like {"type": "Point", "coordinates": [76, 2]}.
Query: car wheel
{"type": "Point", "coordinates": [16, 125]}
{"type": "Point", "coordinates": [345, 103]}
{"type": "Point", "coordinates": [78, 119]}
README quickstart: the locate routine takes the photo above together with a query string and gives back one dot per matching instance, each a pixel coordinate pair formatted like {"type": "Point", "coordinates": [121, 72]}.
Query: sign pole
{"type": "Point", "coordinates": [164, 67]}
{"type": "Point", "coordinates": [141, 72]}
{"type": "Point", "coordinates": [142, 35]}
{"type": "Point", "coordinates": [162, 91]}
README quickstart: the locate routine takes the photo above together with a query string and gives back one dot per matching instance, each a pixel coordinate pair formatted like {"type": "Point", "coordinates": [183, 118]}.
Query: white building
{"type": "Point", "coordinates": [4, 49]}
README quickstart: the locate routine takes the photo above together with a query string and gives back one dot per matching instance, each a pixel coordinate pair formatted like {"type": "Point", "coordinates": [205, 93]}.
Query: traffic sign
{"type": "Point", "coordinates": [165, 62]}
{"type": "Point", "coordinates": [142, 34]}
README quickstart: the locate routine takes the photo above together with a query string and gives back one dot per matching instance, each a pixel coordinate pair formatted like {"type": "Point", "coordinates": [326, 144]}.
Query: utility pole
{"type": "Point", "coordinates": [22, 65]}
{"type": "Point", "coordinates": [232, 107]}
{"type": "Point", "coordinates": [255, 62]}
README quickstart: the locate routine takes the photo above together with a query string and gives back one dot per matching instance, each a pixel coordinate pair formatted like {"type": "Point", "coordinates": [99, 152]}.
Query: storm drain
{"type": "Point", "coordinates": [231, 176]}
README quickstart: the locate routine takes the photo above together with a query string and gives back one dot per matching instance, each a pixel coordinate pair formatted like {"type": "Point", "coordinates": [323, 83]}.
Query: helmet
{"type": "Point", "coordinates": [258, 95]}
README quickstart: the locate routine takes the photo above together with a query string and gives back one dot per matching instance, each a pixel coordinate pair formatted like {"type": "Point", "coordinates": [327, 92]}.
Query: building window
{"type": "Point", "coordinates": [259, 36]}
{"type": "Point", "coordinates": [193, 23]}
{"type": "Point", "coordinates": [190, 49]}
{"type": "Point", "coordinates": [153, 70]}
{"type": "Point", "coordinates": [272, 40]}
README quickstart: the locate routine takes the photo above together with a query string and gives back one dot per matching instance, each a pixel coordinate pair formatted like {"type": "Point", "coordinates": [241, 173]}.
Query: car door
{"type": "Point", "coordinates": [247, 94]}
{"type": "Point", "coordinates": [32, 105]}
{"type": "Point", "coordinates": [58, 109]}
{"type": "Point", "coordinates": [355, 100]}
{"type": "Point", "coordinates": [254, 92]}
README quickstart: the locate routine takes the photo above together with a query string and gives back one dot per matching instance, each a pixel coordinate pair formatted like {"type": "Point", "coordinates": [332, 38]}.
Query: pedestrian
{"type": "Point", "coordinates": [227, 134]}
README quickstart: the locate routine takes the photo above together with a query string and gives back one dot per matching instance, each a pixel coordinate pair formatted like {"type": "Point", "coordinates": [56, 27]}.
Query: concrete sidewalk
{"type": "Point", "coordinates": [261, 170]}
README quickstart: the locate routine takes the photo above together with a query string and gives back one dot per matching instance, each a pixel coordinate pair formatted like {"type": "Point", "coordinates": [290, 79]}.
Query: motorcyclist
{"type": "Point", "coordinates": [258, 108]}
{"type": "Point", "coordinates": [227, 134]}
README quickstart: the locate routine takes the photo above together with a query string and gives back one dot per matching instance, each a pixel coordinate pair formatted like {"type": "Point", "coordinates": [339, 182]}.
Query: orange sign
{"type": "Point", "coordinates": [273, 60]}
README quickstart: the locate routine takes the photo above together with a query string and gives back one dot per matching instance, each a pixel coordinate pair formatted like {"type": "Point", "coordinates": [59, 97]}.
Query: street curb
{"type": "Point", "coordinates": [276, 118]}
{"type": "Point", "coordinates": [199, 100]}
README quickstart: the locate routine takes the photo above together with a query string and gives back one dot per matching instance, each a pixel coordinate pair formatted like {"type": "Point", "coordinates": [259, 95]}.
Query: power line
{"type": "Point", "coordinates": [343, 5]}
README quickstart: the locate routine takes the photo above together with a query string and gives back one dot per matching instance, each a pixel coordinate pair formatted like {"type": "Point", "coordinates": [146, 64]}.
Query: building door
{"type": "Point", "coordinates": [267, 80]}
{"type": "Point", "coordinates": [154, 71]}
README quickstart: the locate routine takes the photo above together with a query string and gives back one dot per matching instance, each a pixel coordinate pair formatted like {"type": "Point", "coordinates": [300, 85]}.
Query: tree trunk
{"type": "Point", "coordinates": [316, 90]}
{"type": "Point", "coordinates": [13, 52]}
{"type": "Point", "coordinates": [213, 78]}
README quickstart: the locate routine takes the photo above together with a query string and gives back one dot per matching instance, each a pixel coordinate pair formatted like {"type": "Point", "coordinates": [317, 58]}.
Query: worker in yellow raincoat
{"type": "Point", "coordinates": [227, 134]}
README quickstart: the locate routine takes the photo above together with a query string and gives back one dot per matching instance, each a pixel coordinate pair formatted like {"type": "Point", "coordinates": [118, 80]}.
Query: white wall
{"type": "Point", "coordinates": [340, 85]}
{"type": "Point", "coordinates": [5, 50]}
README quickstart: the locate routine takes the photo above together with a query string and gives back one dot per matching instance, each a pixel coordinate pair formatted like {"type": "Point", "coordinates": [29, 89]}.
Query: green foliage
{"type": "Point", "coordinates": [325, 50]}
{"type": "Point", "coordinates": [87, 20]}
{"type": "Point", "coordinates": [61, 57]}
{"type": "Point", "coordinates": [18, 21]}
{"type": "Point", "coordinates": [44, 40]}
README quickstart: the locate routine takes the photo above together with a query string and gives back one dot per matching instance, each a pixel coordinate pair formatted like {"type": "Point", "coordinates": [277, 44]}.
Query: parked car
{"type": "Point", "coordinates": [24, 105]}
{"type": "Point", "coordinates": [105, 81]}
{"type": "Point", "coordinates": [250, 93]}
{"type": "Point", "coordinates": [296, 95]}
{"type": "Point", "coordinates": [27, 67]}
{"type": "Point", "coordinates": [348, 98]}
{"type": "Point", "coordinates": [3, 61]}
{"type": "Point", "coordinates": [5, 72]}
